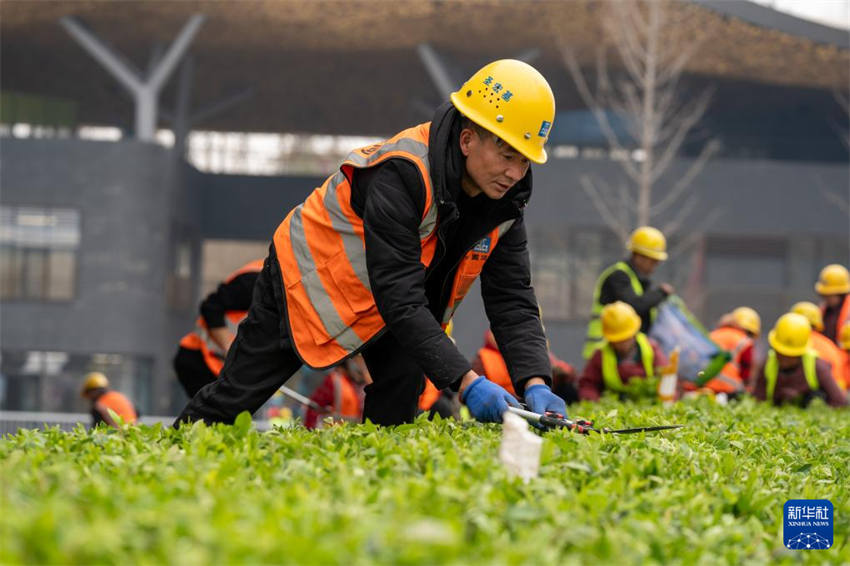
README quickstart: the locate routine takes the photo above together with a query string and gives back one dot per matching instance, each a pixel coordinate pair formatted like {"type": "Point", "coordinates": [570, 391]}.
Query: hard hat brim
{"type": "Point", "coordinates": [822, 289]}
{"type": "Point", "coordinates": [784, 349]}
{"type": "Point", "coordinates": [652, 254]}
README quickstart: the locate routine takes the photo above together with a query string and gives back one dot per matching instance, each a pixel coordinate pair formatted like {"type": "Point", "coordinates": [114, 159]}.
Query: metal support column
{"type": "Point", "coordinates": [145, 90]}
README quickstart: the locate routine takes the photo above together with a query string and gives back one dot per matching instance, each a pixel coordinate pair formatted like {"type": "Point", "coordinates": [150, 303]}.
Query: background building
{"type": "Point", "coordinates": [119, 213]}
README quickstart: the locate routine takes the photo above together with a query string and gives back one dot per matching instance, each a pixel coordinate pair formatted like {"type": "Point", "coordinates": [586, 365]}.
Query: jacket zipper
{"type": "Point", "coordinates": [453, 270]}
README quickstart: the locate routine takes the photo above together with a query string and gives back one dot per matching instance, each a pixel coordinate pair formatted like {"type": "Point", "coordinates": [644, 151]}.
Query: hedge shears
{"type": "Point", "coordinates": [581, 426]}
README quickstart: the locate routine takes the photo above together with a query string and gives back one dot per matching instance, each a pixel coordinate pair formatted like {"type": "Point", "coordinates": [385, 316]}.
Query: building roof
{"type": "Point", "coordinates": [352, 67]}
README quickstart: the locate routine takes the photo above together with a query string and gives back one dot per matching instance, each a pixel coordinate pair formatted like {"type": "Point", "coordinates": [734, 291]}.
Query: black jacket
{"type": "Point", "coordinates": [391, 199]}
{"type": "Point", "coordinates": [234, 295]}
{"type": "Point", "coordinates": [618, 287]}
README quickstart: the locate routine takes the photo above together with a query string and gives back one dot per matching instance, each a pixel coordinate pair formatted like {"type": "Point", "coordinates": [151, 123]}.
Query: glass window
{"type": "Point", "coordinates": [38, 253]}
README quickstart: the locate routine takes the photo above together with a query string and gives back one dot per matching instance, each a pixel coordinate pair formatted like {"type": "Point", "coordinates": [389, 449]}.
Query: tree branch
{"type": "Point", "coordinates": [602, 207]}
{"type": "Point", "coordinates": [708, 150]}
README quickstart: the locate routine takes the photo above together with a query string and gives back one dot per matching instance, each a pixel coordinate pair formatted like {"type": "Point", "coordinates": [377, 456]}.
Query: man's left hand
{"type": "Point", "coordinates": [540, 399]}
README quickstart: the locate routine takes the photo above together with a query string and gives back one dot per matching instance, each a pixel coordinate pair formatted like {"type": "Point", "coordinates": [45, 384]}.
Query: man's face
{"type": "Point", "coordinates": [623, 347]}
{"type": "Point", "coordinates": [491, 168]}
{"type": "Point", "coordinates": [787, 362]}
{"type": "Point", "coordinates": [832, 301]}
{"type": "Point", "coordinates": [646, 265]}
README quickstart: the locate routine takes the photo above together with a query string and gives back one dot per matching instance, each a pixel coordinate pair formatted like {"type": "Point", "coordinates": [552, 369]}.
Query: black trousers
{"type": "Point", "coordinates": [192, 371]}
{"type": "Point", "coordinates": [262, 359]}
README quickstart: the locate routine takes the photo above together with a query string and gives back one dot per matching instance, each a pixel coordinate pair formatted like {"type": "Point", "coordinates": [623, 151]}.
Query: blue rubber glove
{"type": "Point", "coordinates": [540, 399]}
{"type": "Point", "coordinates": [487, 401]}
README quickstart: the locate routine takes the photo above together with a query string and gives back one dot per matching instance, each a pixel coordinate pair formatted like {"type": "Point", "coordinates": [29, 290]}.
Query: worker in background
{"type": "Point", "coordinates": [736, 333]}
{"type": "Point", "coordinates": [833, 286]}
{"type": "Point", "coordinates": [103, 399]}
{"type": "Point", "coordinates": [201, 353]}
{"type": "Point", "coordinates": [489, 362]}
{"type": "Point", "coordinates": [626, 354]}
{"type": "Point", "coordinates": [792, 372]}
{"type": "Point", "coordinates": [628, 281]}
{"type": "Point", "coordinates": [844, 341]}
{"type": "Point", "coordinates": [825, 348]}
{"type": "Point", "coordinates": [564, 380]}
{"type": "Point", "coordinates": [341, 392]}
{"type": "Point", "coordinates": [378, 258]}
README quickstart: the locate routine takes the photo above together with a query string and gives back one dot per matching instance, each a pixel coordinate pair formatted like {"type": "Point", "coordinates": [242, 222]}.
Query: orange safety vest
{"type": "Point", "coordinates": [120, 404]}
{"type": "Point", "coordinates": [495, 369]}
{"type": "Point", "coordinates": [200, 338]}
{"type": "Point", "coordinates": [734, 341]}
{"type": "Point", "coordinates": [831, 354]}
{"type": "Point", "coordinates": [322, 255]}
{"type": "Point", "coordinates": [429, 396]}
{"type": "Point", "coordinates": [846, 385]}
{"type": "Point", "coordinates": [346, 400]}
{"type": "Point", "coordinates": [843, 315]}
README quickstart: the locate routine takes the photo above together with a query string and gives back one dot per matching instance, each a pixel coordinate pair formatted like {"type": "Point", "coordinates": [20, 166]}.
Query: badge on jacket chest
{"type": "Point", "coordinates": [483, 246]}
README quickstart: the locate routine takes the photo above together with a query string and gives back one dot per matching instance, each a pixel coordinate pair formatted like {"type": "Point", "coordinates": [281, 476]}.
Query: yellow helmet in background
{"type": "Point", "coordinates": [619, 321]}
{"type": "Point", "coordinates": [844, 337]}
{"type": "Point", "coordinates": [748, 319]}
{"type": "Point", "coordinates": [811, 312]}
{"type": "Point", "coordinates": [649, 242]}
{"type": "Point", "coordinates": [94, 380]}
{"type": "Point", "coordinates": [512, 100]}
{"type": "Point", "coordinates": [790, 336]}
{"type": "Point", "coordinates": [833, 280]}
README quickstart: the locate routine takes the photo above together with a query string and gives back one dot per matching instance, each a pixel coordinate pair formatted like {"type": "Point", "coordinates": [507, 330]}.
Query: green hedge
{"type": "Point", "coordinates": [427, 493]}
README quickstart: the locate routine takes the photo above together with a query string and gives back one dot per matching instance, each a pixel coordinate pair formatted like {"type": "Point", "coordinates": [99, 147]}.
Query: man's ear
{"type": "Point", "coordinates": [465, 140]}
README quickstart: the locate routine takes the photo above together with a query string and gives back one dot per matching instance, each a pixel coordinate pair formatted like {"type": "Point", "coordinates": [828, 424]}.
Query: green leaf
{"type": "Point", "coordinates": [242, 424]}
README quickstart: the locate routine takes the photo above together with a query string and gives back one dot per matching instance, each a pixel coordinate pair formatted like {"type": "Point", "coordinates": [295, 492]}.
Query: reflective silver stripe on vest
{"type": "Point", "coordinates": [330, 319]}
{"type": "Point", "coordinates": [353, 246]}
{"type": "Point", "coordinates": [408, 145]}
{"type": "Point", "coordinates": [351, 242]}
{"type": "Point", "coordinates": [418, 149]}
{"type": "Point", "coordinates": [429, 221]}
{"type": "Point", "coordinates": [450, 310]}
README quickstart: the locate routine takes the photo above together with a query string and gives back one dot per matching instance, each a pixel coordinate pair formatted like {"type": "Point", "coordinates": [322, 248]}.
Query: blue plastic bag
{"type": "Point", "coordinates": [700, 359]}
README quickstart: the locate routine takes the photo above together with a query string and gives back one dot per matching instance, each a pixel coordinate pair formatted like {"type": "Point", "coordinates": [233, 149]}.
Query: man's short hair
{"type": "Point", "coordinates": [482, 132]}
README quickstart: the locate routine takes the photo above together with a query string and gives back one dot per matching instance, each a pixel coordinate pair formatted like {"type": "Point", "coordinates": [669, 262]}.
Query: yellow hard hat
{"type": "Point", "coordinates": [811, 312]}
{"type": "Point", "coordinates": [834, 280]}
{"type": "Point", "coordinates": [619, 321]}
{"type": "Point", "coordinates": [512, 100]}
{"type": "Point", "coordinates": [844, 337]}
{"type": "Point", "coordinates": [648, 241]}
{"type": "Point", "coordinates": [790, 336]}
{"type": "Point", "coordinates": [748, 319]}
{"type": "Point", "coordinates": [94, 380]}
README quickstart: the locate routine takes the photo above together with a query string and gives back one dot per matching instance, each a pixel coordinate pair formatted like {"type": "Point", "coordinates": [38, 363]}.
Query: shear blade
{"type": "Point", "coordinates": [641, 429]}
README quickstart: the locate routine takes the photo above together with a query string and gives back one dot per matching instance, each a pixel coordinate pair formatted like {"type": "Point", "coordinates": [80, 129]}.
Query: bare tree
{"type": "Point", "coordinates": [644, 94]}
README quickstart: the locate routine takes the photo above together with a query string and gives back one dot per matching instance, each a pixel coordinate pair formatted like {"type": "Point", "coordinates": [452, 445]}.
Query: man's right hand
{"type": "Point", "coordinates": [486, 400]}
{"type": "Point", "coordinates": [667, 288]}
